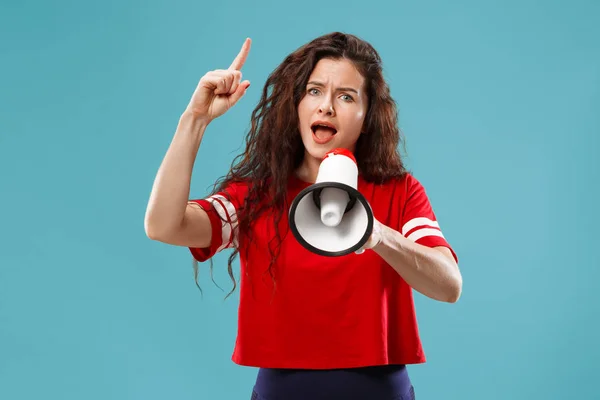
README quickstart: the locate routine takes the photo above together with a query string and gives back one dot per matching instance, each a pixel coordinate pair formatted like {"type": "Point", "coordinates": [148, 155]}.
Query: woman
{"type": "Point", "coordinates": [317, 327]}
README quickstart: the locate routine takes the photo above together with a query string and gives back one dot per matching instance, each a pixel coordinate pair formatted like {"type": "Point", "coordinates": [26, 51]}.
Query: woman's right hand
{"type": "Point", "coordinates": [219, 90]}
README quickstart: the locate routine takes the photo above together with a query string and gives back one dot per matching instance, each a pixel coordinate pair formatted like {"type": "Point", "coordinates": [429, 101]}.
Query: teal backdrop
{"type": "Point", "coordinates": [500, 105]}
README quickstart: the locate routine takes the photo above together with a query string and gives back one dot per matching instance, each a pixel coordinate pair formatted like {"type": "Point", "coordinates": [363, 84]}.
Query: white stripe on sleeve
{"type": "Point", "coordinates": [421, 233]}
{"type": "Point", "coordinates": [227, 212]}
{"type": "Point", "coordinates": [420, 221]}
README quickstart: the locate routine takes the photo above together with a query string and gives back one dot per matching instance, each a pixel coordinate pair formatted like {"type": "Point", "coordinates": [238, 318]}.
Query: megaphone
{"type": "Point", "coordinates": [331, 217]}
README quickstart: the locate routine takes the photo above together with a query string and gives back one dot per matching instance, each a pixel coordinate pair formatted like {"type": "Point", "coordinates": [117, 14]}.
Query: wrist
{"type": "Point", "coordinates": [380, 232]}
{"type": "Point", "coordinates": [389, 239]}
{"type": "Point", "coordinates": [195, 122]}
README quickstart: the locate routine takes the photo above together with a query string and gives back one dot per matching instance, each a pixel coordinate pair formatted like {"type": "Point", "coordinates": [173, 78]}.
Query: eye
{"type": "Point", "coordinates": [313, 91]}
{"type": "Point", "coordinates": [347, 97]}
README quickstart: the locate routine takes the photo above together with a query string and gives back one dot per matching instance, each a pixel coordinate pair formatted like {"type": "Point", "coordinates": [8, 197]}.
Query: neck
{"type": "Point", "coordinates": [308, 170]}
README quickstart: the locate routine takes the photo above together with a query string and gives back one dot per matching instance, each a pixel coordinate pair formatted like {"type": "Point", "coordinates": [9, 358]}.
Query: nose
{"type": "Point", "coordinates": [326, 108]}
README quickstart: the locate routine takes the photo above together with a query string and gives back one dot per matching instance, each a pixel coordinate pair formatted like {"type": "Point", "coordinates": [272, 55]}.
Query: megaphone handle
{"type": "Point", "coordinates": [316, 195]}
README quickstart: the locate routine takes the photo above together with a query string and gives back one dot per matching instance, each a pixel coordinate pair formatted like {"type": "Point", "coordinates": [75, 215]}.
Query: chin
{"type": "Point", "coordinates": [318, 151]}
{"type": "Point", "coordinates": [317, 154]}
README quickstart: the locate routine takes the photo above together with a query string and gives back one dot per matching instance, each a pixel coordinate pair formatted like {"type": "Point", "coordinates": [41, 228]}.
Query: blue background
{"type": "Point", "coordinates": [500, 104]}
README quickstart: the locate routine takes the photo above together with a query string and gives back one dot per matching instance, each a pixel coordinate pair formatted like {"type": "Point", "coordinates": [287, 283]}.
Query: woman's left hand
{"type": "Point", "coordinates": [374, 239]}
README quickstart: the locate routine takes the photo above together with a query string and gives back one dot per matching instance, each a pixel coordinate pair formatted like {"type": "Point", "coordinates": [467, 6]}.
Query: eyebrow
{"type": "Point", "coordinates": [344, 89]}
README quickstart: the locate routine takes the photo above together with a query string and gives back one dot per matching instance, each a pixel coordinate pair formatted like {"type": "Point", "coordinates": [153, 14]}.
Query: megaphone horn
{"type": "Point", "coordinates": [331, 217]}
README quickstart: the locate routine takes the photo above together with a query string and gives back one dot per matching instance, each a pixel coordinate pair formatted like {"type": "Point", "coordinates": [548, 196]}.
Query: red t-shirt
{"type": "Point", "coordinates": [326, 312]}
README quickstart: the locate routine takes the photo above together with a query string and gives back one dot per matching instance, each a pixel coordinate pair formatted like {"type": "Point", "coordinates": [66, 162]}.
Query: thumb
{"type": "Point", "coordinates": [239, 93]}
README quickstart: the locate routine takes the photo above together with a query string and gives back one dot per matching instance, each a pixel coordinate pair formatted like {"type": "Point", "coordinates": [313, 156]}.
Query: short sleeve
{"type": "Point", "coordinates": [222, 209]}
{"type": "Point", "coordinates": [419, 222]}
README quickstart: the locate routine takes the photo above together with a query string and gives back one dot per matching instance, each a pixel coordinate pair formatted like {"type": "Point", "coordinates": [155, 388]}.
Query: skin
{"type": "Point", "coordinates": [335, 93]}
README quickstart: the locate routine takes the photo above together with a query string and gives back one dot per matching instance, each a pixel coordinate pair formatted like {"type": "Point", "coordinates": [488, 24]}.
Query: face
{"type": "Point", "coordinates": [333, 109]}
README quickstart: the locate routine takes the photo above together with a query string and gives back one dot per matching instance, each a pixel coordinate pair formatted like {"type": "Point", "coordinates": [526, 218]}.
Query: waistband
{"type": "Point", "coordinates": [377, 382]}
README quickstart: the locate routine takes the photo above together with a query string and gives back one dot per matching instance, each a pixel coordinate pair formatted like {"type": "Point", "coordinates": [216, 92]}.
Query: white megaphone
{"type": "Point", "coordinates": [331, 217]}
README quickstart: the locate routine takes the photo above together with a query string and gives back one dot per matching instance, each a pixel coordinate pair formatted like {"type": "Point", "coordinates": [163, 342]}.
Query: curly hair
{"type": "Point", "coordinates": [274, 148]}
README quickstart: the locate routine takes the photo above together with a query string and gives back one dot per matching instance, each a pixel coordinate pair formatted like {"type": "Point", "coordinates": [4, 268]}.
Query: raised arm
{"type": "Point", "coordinates": [170, 218]}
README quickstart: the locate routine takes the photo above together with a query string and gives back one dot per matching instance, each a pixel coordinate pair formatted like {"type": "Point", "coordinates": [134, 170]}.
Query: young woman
{"type": "Point", "coordinates": [317, 327]}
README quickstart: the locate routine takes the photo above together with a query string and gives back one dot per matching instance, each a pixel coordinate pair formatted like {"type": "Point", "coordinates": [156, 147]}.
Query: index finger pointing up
{"type": "Point", "coordinates": [239, 61]}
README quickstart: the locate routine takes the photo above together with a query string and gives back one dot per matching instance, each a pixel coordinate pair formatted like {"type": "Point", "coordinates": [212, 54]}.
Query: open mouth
{"type": "Point", "coordinates": [323, 132]}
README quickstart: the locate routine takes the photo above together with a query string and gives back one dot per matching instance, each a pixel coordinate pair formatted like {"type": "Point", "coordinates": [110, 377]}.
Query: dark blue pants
{"type": "Point", "coordinates": [368, 383]}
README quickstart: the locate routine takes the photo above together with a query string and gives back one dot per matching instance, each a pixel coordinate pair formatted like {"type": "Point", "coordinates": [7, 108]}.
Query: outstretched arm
{"type": "Point", "coordinates": [432, 271]}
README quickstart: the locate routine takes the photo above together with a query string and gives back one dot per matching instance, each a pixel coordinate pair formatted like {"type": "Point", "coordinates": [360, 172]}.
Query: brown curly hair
{"type": "Point", "coordinates": [274, 148]}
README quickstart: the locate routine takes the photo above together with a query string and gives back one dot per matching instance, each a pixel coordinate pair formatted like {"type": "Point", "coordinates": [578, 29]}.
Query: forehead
{"type": "Point", "coordinates": [340, 72]}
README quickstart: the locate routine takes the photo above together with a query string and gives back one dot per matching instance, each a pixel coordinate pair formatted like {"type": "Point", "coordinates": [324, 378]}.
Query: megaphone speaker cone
{"type": "Point", "coordinates": [339, 223]}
